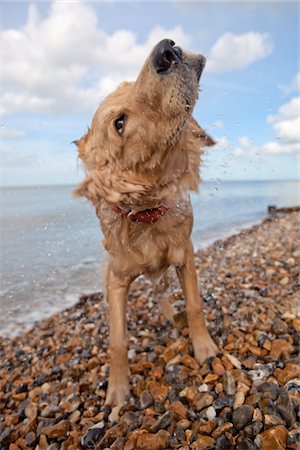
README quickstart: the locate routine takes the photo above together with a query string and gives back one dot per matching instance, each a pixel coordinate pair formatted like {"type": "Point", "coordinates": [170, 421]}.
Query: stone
{"type": "Point", "coordinates": [189, 392]}
{"type": "Point", "coordinates": [222, 429]}
{"type": "Point", "coordinates": [285, 408]}
{"type": "Point", "coordinates": [211, 413]}
{"type": "Point", "coordinates": [146, 399]}
{"type": "Point", "coordinates": [254, 428]}
{"type": "Point", "coordinates": [162, 422]}
{"type": "Point", "coordinates": [218, 367]}
{"type": "Point", "coordinates": [178, 409]}
{"type": "Point", "coordinates": [296, 324]}
{"type": "Point", "coordinates": [279, 326]}
{"type": "Point", "coordinates": [272, 420]}
{"type": "Point", "coordinates": [261, 371]}
{"type": "Point", "coordinates": [158, 391]}
{"type": "Point", "coordinates": [211, 378]}
{"type": "Point", "coordinates": [288, 373]}
{"type": "Point", "coordinates": [50, 411]}
{"type": "Point", "coordinates": [274, 438]}
{"type": "Point", "coordinates": [294, 438]}
{"type": "Point", "coordinates": [223, 402]}
{"type": "Point", "coordinates": [60, 429]}
{"type": "Point", "coordinates": [207, 427]}
{"type": "Point", "coordinates": [246, 444]}
{"type": "Point", "coordinates": [234, 361]}
{"type": "Point", "coordinates": [203, 400]}
{"type": "Point", "coordinates": [70, 403]}
{"type": "Point", "coordinates": [280, 347]}
{"type": "Point", "coordinates": [31, 411]}
{"type": "Point", "coordinates": [203, 442]}
{"type": "Point", "coordinates": [223, 443]}
{"type": "Point", "coordinates": [269, 390]}
{"type": "Point", "coordinates": [93, 436]}
{"type": "Point", "coordinates": [238, 399]}
{"type": "Point", "coordinates": [150, 441]}
{"type": "Point", "coordinates": [229, 383]}
{"type": "Point", "coordinates": [5, 438]}
{"type": "Point", "coordinates": [242, 416]}
{"type": "Point", "coordinates": [31, 439]}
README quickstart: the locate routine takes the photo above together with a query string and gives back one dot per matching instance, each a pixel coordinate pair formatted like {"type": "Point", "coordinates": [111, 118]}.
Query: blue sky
{"type": "Point", "coordinates": [61, 58]}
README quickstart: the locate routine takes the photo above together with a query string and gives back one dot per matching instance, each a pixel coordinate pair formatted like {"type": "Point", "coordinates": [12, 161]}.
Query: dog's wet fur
{"type": "Point", "coordinates": [143, 152]}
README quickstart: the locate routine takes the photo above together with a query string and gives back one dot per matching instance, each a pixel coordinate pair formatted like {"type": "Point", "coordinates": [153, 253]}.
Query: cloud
{"type": "Point", "coordinates": [286, 126]}
{"type": "Point", "coordinates": [66, 63]}
{"type": "Point", "coordinates": [218, 124]}
{"type": "Point", "coordinates": [11, 133]}
{"type": "Point", "coordinates": [232, 51]}
{"type": "Point", "coordinates": [293, 86]}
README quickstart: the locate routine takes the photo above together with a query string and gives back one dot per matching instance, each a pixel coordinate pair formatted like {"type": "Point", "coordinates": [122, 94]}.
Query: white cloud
{"type": "Point", "coordinates": [286, 127]}
{"type": "Point", "coordinates": [11, 133]}
{"type": "Point", "coordinates": [281, 148]}
{"type": "Point", "coordinates": [286, 124]}
{"type": "Point", "coordinates": [221, 143]}
{"type": "Point", "coordinates": [245, 148]}
{"type": "Point", "coordinates": [218, 124]}
{"type": "Point", "coordinates": [232, 51]}
{"type": "Point", "coordinates": [66, 63]}
{"type": "Point", "coordinates": [293, 86]}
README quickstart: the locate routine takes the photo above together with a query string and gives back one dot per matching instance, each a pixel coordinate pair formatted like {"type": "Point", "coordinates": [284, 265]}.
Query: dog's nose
{"type": "Point", "coordinates": [165, 54]}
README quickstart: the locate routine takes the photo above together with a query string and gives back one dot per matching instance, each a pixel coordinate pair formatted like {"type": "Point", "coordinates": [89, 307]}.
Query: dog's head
{"type": "Point", "coordinates": [146, 117]}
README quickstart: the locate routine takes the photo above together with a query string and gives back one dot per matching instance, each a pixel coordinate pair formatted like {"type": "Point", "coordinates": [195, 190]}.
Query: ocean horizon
{"type": "Point", "coordinates": [51, 251]}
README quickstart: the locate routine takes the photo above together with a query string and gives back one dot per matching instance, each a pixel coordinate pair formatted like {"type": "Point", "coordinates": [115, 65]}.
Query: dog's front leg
{"type": "Point", "coordinates": [118, 385]}
{"type": "Point", "coordinates": [202, 342]}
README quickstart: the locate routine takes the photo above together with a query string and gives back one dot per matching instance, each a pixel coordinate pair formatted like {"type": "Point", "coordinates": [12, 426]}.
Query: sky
{"type": "Point", "coordinates": [61, 58]}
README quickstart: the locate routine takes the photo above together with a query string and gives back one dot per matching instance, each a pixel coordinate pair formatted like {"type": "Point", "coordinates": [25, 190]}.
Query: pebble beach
{"type": "Point", "coordinates": [53, 379]}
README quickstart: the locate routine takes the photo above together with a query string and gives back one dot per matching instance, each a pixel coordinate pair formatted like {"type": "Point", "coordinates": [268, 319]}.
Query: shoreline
{"type": "Point", "coordinates": [53, 378]}
{"type": "Point", "coordinates": [20, 326]}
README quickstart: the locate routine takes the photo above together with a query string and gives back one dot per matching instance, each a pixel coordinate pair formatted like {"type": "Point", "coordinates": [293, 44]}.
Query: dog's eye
{"type": "Point", "coordinates": [119, 124]}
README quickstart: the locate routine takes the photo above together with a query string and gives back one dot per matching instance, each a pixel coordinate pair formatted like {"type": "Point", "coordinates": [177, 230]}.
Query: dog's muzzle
{"type": "Point", "coordinates": [165, 54]}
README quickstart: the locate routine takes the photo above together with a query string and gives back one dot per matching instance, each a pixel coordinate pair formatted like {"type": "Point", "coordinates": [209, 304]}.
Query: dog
{"type": "Point", "coordinates": [142, 155]}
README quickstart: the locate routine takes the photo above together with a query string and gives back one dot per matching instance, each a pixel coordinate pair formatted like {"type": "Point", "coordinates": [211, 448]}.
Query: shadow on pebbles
{"type": "Point", "coordinates": [53, 379]}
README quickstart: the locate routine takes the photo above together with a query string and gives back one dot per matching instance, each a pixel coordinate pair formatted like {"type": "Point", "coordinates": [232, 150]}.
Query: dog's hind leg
{"type": "Point", "coordinates": [163, 296]}
{"type": "Point", "coordinates": [202, 342]}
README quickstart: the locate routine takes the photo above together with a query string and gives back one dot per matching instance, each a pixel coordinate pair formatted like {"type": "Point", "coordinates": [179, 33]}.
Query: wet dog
{"type": "Point", "coordinates": [142, 155]}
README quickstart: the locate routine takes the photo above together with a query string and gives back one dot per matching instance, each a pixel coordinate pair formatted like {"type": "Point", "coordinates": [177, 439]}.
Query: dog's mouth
{"type": "Point", "coordinates": [167, 56]}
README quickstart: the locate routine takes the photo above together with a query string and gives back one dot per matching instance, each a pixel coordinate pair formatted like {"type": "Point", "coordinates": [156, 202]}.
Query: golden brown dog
{"type": "Point", "coordinates": [142, 155]}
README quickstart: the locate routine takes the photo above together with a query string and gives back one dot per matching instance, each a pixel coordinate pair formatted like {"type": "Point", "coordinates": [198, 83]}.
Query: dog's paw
{"type": "Point", "coordinates": [205, 348]}
{"type": "Point", "coordinates": [117, 394]}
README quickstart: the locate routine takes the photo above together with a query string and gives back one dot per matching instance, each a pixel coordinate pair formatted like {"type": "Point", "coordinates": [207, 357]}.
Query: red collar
{"type": "Point", "coordinates": [150, 215]}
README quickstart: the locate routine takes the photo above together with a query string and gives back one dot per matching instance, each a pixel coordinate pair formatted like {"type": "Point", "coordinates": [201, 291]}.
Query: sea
{"type": "Point", "coordinates": [51, 251]}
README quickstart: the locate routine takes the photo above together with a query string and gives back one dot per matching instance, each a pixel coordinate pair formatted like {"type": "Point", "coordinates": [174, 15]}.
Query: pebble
{"type": "Point", "coordinates": [285, 408]}
{"type": "Point", "coordinates": [274, 438]}
{"type": "Point", "coordinates": [229, 383]}
{"type": "Point", "coordinates": [203, 400]}
{"type": "Point", "coordinates": [146, 399]}
{"type": "Point", "coordinates": [157, 441]}
{"type": "Point", "coordinates": [239, 399]}
{"type": "Point", "coordinates": [55, 431]}
{"type": "Point", "coordinates": [242, 416]}
{"type": "Point", "coordinates": [211, 413]}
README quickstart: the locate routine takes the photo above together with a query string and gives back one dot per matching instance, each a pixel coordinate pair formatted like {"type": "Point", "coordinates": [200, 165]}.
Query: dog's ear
{"type": "Point", "coordinates": [201, 135]}
{"type": "Point", "coordinates": [86, 152]}
{"type": "Point", "coordinates": [205, 139]}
